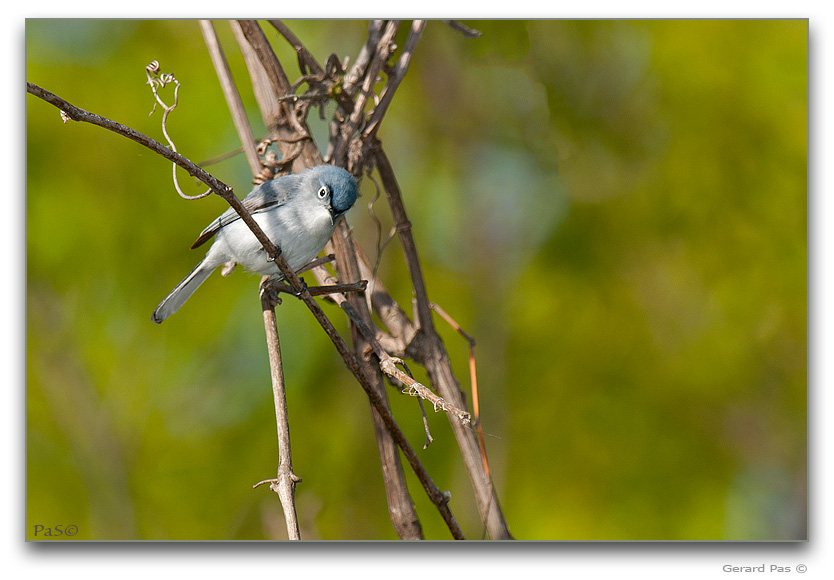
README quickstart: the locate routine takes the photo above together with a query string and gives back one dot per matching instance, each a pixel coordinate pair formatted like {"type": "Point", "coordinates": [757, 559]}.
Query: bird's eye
{"type": "Point", "coordinates": [323, 192]}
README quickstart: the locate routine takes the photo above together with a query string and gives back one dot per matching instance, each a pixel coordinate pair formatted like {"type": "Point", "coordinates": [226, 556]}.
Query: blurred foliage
{"type": "Point", "coordinates": [616, 210]}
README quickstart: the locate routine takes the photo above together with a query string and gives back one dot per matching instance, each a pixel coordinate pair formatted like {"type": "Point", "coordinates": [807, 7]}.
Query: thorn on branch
{"type": "Point", "coordinates": [275, 482]}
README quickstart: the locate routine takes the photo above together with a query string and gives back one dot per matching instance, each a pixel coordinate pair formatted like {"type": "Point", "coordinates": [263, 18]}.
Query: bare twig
{"type": "Point", "coordinates": [352, 81]}
{"type": "Point", "coordinates": [473, 377]}
{"type": "Point", "coordinates": [415, 389]}
{"type": "Point", "coordinates": [463, 29]}
{"type": "Point", "coordinates": [227, 83]}
{"type": "Point", "coordinates": [274, 71]}
{"type": "Point", "coordinates": [271, 85]}
{"type": "Point", "coordinates": [305, 58]}
{"type": "Point", "coordinates": [360, 65]}
{"type": "Point", "coordinates": [395, 77]}
{"type": "Point", "coordinates": [284, 483]}
{"type": "Point", "coordinates": [388, 363]}
{"type": "Point", "coordinates": [401, 508]}
{"type": "Point", "coordinates": [435, 495]}
{"type": "Point", "coordinates": [380, 56]}
{"type": "Point", "coordinates": [402, 332]}
{"type": "Point", "coordinates": [325, 290]}
{"type": "Point", "coordinates": [271, 111]}
{"type": "Point", "coordinates": [71, 112]}
{"type": "Point", "coordinates": [432, 354]}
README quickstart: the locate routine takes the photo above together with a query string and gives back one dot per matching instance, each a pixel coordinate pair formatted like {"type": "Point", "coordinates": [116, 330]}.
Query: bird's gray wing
{"type": "Point", "coordinates": [267, 195]}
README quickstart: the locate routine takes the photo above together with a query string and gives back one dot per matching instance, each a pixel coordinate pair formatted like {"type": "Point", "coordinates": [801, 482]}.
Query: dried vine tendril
{"type": "Point", "coordinates": [157, 81]}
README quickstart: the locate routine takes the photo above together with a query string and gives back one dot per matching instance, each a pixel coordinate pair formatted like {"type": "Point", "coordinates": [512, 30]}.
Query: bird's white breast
{"type": "Point", "coordinates": [301, 235]}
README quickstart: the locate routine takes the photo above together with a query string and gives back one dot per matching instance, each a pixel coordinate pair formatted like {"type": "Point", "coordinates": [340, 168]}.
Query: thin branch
{"type": "Point", "coordinates": [380, 56]}
{"type": "Point", "coordinates": [434, 357]}
{"type": "Point", "coordinates": [357, 71]}
{"type": "Point", "coordinates": [435, 495]}
{"type": "Point", "coordinates": [284, 484]}
{"type": "Point", "coordinates": [473, 377]}
{"type": "Point", "coordinates": [317, 72]}
{"type": "Point", "coordinates": [395, 77]}
{"type": "Point", "coordinates": [227, 83]}
{"type": "Point", "coordinates": [73, 113]}
{"type": "Point", "coordinates": [274, 70]}
{"type": "Point", "coordinates": [271, 85]}
{"type": "Point", "coordinates": [270, 109]}
{"type": "Point", "coordinates": [463, 29]}
{"type": "Point", "coordinates": [305, 58]}
{"type": "Point", "coordinates": [387, 363]}
{"type": "Point", "coordinates": [325, 290]}
{"type": "Point", "coordinates": [401, 508]}
{"type": "Point", "coordinates": [392, 191]}
{"type": "Point", "coordinates": [402, 332]}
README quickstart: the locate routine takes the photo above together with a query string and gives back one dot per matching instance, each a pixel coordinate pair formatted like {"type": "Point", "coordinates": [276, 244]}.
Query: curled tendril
{"type": "Point", "coordinates": [158, 80]}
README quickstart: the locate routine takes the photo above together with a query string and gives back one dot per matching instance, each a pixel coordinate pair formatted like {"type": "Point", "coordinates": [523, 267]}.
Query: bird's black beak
{"type": "Point", "coordinates": [335, 215]}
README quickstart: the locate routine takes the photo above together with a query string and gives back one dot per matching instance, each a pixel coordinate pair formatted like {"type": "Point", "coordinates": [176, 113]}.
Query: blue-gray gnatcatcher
{"type": "Point", "coordinates": [297, 212]}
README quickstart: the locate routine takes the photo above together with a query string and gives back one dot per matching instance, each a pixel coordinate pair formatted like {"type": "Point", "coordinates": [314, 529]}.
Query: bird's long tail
{"type": "Point", "coordinates": [183, 291]}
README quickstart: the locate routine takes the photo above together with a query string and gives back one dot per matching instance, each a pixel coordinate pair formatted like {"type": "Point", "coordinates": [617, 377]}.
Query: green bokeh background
{"type": "Point", "coordinates": [616, 210]}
